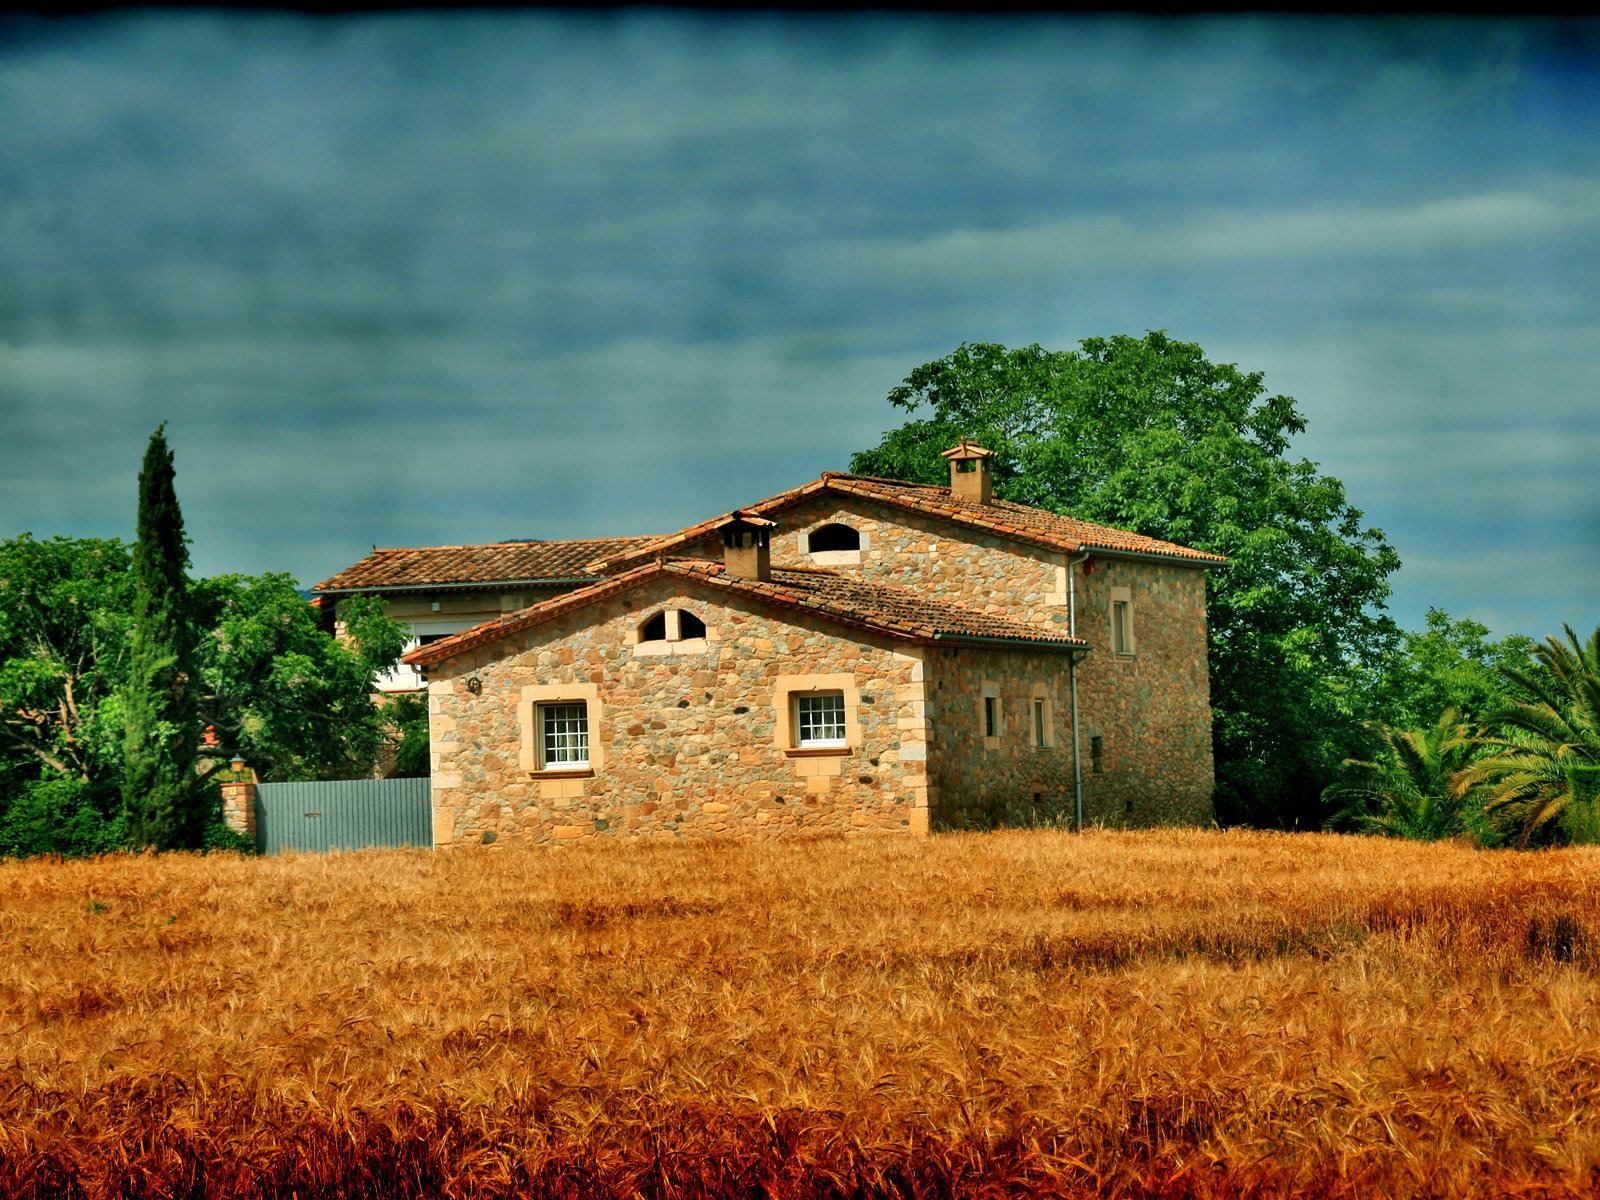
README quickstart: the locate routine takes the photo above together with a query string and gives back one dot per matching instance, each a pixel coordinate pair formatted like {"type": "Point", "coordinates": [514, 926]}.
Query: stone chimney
{"type": "Point", "coordinates": [969, 472]}
{"type": "Point", "coordinates": [747, 545]}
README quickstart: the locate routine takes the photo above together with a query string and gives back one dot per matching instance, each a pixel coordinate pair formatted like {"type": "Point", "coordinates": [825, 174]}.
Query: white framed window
{"type": "Point", "coordinates": [819, 720]}
{"type": "Point", "coordinates": [563, 736]}
{"type": "Point", "coordinates": [1122, 642]}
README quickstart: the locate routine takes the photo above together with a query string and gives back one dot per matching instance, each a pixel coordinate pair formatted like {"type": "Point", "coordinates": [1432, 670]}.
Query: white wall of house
{"type": "Point", "coordinates": [406, 678]}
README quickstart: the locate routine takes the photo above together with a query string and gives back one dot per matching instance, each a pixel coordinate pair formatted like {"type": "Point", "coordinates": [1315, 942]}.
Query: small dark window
{"type": "Point", "coordinates": [1097, 755]}
{"type": "Point", "coordinates": [834, 537]}
{"type": "Point", "coordinates": [1038, 724]}
{"type": "Point", "coordinates": [991, 717]}
{"type": "Point", "coordinates": [690, 626]}
{"type": "Point", "coordinates": [655, 629]}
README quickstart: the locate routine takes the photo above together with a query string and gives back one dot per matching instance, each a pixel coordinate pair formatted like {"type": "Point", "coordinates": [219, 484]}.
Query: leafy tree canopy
{"type": "Point", "coordinates": [65, 609]}
{"type": "Point", "coordinates": [294, 701]}
{"type": "Point", "coordinates": [1448, 664]}
{"type": "Point", "coordinates": [1147, 434]}
{"type": "Point", "coordinates": [271, 684]}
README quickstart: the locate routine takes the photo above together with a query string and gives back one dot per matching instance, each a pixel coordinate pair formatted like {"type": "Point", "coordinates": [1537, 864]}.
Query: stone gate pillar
{"type": "Point", "coordinates": [239, 798]}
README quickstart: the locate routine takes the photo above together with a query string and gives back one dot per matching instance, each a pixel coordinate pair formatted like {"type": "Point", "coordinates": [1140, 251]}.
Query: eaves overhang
{"type": "Point", "coordinates": [491, 585]}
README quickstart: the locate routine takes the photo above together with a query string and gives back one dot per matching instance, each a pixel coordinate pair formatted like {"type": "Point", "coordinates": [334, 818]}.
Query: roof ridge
{"type": "Point", "coordinates": [615, 537]}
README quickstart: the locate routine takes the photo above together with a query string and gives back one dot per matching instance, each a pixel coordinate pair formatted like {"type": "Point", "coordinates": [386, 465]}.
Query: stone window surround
{"type": "Point", "coordinates": [1121, 595]}
{"type": "Point", "coordinates": [990, 690]}
{"type": "Point", "coordinates": [534, 696]}
{"type": "Point", "coordinates": [786, 727]}
{"type": "Point", "coordinates": [1041, 695]}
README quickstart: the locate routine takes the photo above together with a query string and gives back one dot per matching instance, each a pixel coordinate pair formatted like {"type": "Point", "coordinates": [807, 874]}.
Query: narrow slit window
{"type": "Point", "coordinates": [991, 717]}
{"type": "Point", "coordinates": [1038, 724]}
{"type": "Point", "coordinates": [1122, 626]}
{"type": "Point", "coordinates": [1097, 755]}
{"type": "Point", "coordinates": [820, 719]}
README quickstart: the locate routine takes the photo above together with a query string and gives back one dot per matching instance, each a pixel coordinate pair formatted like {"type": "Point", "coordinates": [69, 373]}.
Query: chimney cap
{"type": "Point", "coordinates": [740, 517]}
{"type": "Point", "coordinates": [966, 450]}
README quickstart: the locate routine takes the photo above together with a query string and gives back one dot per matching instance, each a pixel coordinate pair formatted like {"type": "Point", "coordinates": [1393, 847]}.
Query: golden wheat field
{"type": "Point", "coordinates": [1025, 1013]}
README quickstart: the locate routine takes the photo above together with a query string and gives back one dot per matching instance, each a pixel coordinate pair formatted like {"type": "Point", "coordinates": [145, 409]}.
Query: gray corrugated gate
{"type": "Point", "coordinates": [344, 814]}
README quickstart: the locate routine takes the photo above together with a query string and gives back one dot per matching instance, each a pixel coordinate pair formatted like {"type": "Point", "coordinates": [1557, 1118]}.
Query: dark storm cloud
{"type": "Point", "coordinates": [424, 278]}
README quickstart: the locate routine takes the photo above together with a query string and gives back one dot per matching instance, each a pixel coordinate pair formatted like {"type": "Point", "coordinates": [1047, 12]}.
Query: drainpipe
{"type": "Point", "coordinates": [1072, 677]}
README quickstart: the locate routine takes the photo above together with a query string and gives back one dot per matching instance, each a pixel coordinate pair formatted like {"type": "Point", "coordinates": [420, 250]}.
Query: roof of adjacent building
{"type": "Point", "coordinates": [897, 612]}
{"type": "Point", "coordinates": [495, 564]}
{"type": "Point", "coordinates": [1034, 526]}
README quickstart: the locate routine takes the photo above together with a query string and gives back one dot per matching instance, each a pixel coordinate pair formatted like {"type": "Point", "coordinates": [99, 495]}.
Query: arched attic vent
{"type": "Point", "coordinates": [672, 625]}
{"type": "Point", "coordinates": [834, 537]}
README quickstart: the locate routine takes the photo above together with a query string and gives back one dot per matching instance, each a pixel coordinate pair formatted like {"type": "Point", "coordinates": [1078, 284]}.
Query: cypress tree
{"type": "Point", "coordinates": [159, 794]}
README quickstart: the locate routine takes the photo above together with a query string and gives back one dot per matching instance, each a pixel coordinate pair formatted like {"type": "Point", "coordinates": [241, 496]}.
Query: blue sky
{"type": "Point", "coordinates": [420, 278]}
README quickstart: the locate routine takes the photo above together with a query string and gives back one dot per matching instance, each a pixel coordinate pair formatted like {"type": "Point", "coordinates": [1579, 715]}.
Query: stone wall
{"type": "Point", "coordinates": [976, 781]}
{"type": "Point", "coordinates": [691, 739]}
{"type": "Point", "coordinates": [685, 744]}
{"type": "Point", "coordinates": [1151, 708]}
{"type": "Point", "coordinates": [985, 572]}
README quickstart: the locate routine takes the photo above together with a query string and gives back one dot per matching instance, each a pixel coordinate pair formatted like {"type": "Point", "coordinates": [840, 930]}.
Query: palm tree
{"type": "Point", "coordinates": [1408, 792]}
{"type": "Point", "coordinates": [1544, 777]}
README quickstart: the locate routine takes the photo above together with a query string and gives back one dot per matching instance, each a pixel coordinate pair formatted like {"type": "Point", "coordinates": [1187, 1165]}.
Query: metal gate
{"type": "Point", "coordinates": [344, 814]}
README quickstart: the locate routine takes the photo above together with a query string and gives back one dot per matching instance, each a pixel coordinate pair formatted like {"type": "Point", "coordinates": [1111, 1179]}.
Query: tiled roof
{"type": "Point", "coordinates": [1032, 525]}
{"type": "Point", "coordinates": [897, 612]}
{"type": "Point", "coordinates": [477, 566]}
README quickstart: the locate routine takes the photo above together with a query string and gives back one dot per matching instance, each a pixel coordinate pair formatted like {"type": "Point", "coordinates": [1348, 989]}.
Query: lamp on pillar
{"type": "Point", "coordinates": [239, 798]}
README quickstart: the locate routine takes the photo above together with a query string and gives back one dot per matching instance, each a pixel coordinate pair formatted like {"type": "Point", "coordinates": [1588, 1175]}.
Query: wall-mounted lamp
{"type": "Point", "coordinates": [474, 684]}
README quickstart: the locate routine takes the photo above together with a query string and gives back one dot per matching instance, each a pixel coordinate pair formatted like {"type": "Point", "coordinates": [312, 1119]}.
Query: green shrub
{"type": "Point", "coordinates": [61, 816]}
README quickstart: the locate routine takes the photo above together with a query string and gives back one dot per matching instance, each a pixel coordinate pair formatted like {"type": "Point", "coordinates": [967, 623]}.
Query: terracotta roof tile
{"type": "Point", "coordinates": [1033, 525]}
{"type": "Point", "coordinates": [898, 612]}
{"type": "Point", "coordinates": [477, 566]}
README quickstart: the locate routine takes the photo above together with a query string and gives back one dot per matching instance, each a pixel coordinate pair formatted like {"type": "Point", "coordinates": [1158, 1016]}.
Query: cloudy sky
{"type": "Point", "coordinates": [423, 279]}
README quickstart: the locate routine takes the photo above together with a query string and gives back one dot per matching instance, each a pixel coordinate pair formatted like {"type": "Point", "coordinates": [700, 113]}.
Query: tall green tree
{"type": "Point", "coordinates": [1147, 434]}
{"type": "Point", "coordinates": [1542, 780]}
{"type": "Point", "coordinates": [159, 790]}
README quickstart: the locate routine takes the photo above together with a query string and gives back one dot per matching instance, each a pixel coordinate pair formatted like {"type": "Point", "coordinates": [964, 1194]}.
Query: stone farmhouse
{"type": "Point", "coordinates": [854, 655]}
